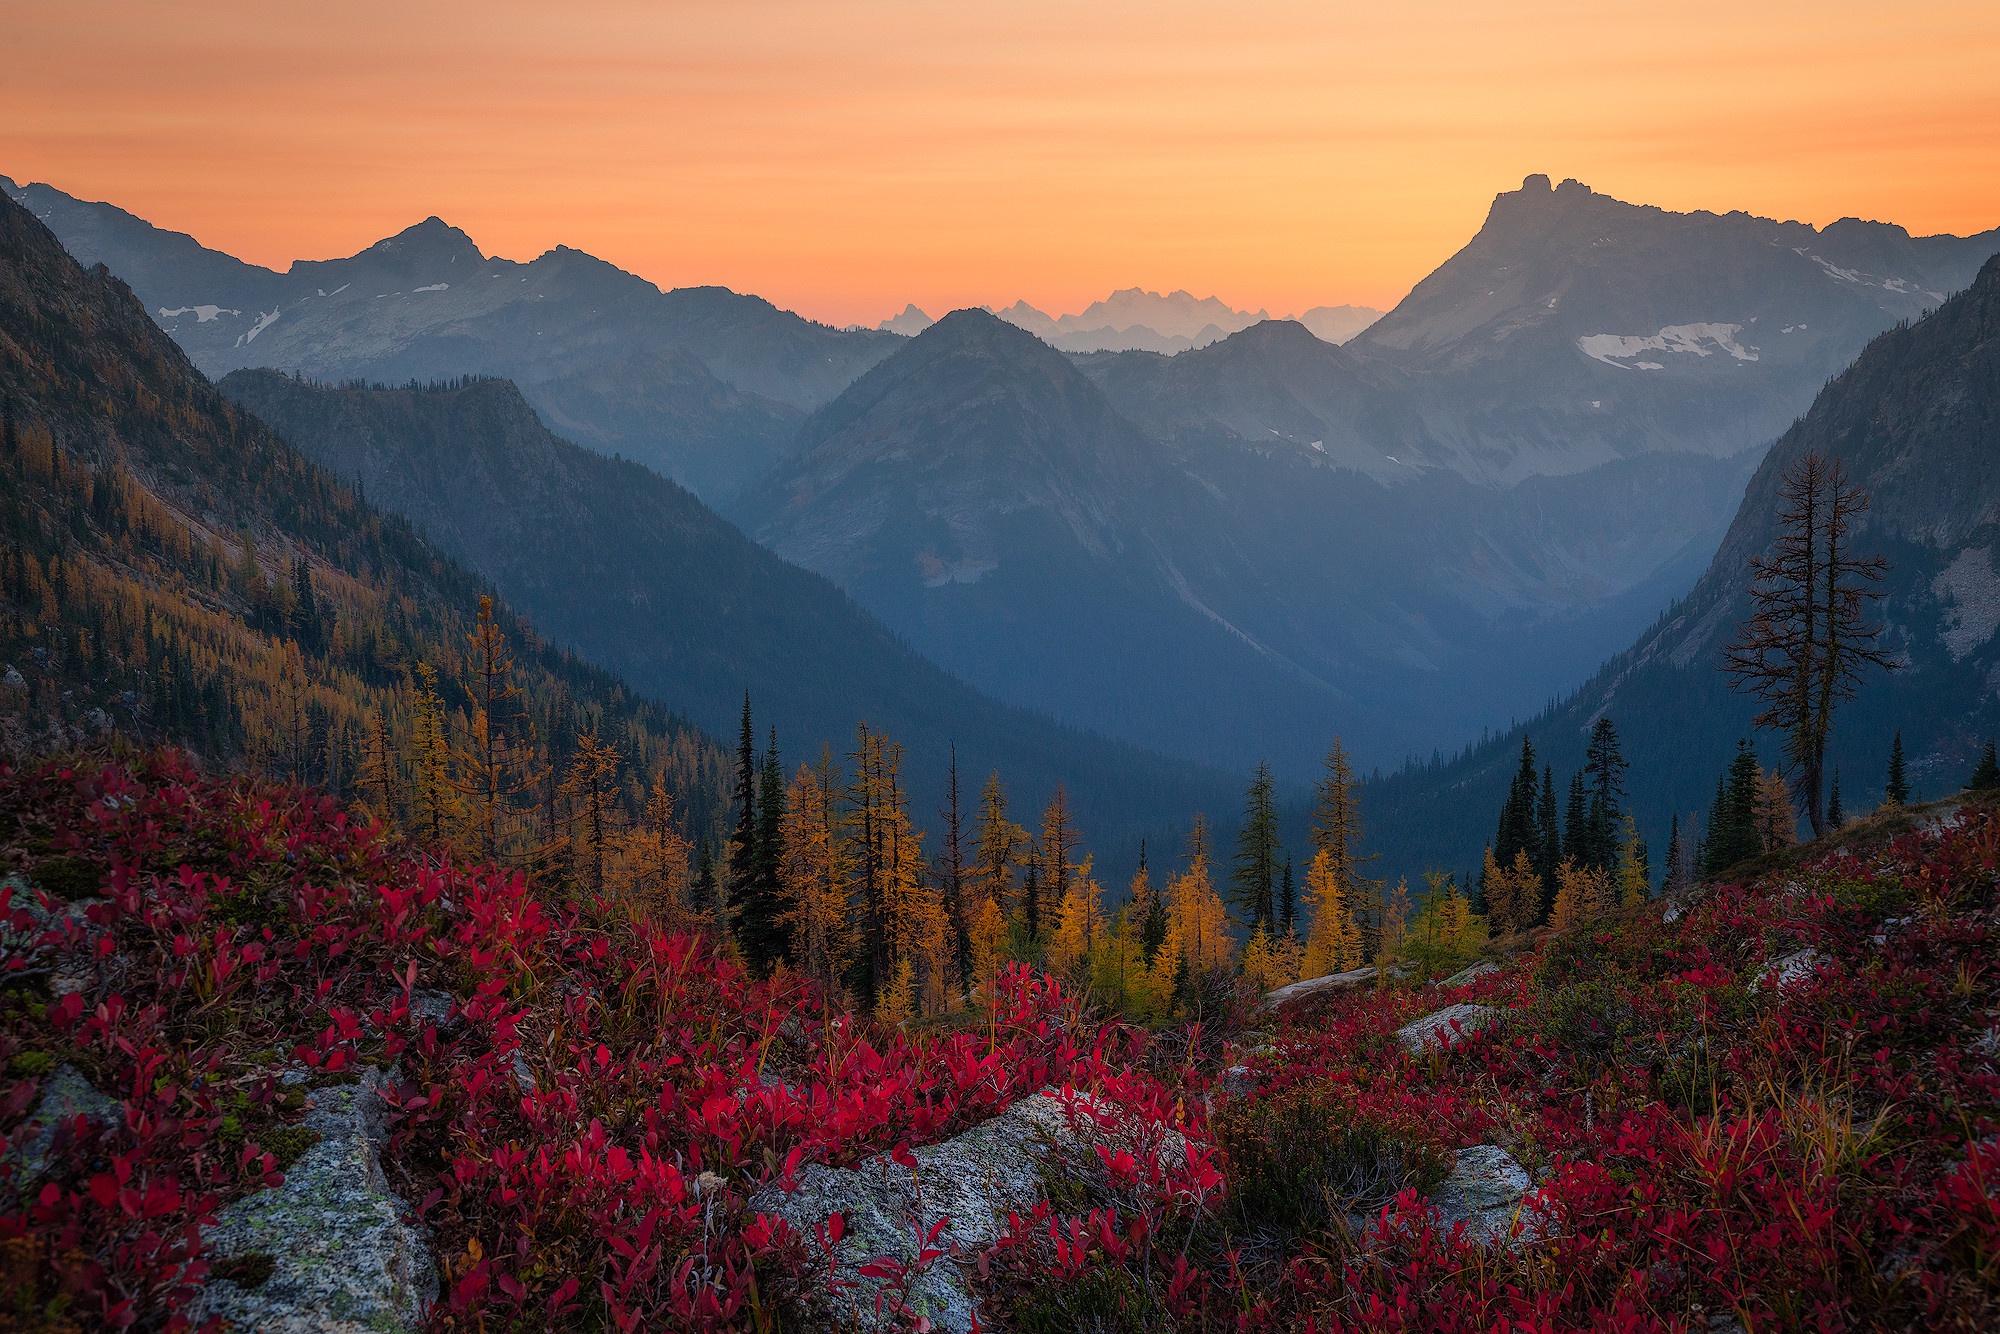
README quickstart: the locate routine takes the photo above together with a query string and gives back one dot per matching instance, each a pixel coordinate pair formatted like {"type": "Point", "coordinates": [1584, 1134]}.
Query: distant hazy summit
{"type": "Point", "coordinates": [1135, 320]}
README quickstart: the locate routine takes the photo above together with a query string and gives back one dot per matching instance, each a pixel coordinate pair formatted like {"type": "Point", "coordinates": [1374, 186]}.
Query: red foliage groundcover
{"type": "Point", "coordinates": [1712, 1142]}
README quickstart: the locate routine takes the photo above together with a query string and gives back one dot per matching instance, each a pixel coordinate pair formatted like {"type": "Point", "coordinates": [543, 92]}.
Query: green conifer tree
{"type": "Point", "coordinates": [1987, 774]}
{"type": "Point", "coordinates": [1836, 814]}
{"type": "Point", "coordinates": [1255, 881]}
{"type": "Point", "coordinates": [1897, 790]}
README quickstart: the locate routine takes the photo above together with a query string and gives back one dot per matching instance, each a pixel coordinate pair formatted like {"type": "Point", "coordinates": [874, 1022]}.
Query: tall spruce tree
{"type": "Point", "coordinates": [1576, 822]}
{"type": "Point", "coordinates": [1517, 831]}
{"type": "Point", "coordinates": [1287, 901]}
{"type": "Point", "coordinates": [1732, 825]}
{"type": "Point", "coordinates": [1255, 880]}
{"type": "Point", "coordinates": [1836, 814]}
{"type": "Point", "coordinates": [759, 899]}
{"type": "Point", "coordinates": [1605, 766]}
{"type": "Point", "coordinates": [753, 914]}
{"type": "Point", "coordinates": [1548, 829]}
{"type": "Point", "coordinates": [1896, 792]}
{"type": "Point", "coordinates": [1153, 933]}
{"type": "Point", "coordinates": [951, 873]}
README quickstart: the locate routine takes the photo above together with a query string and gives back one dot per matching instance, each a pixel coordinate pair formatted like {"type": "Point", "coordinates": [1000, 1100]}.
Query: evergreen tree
{"type": "Point", "coordinates": [756, 896]}
{"type": "Point", "coordinates": [1836, 814]}
{"type": "Point", "coordinates": [1576, 823]}
{"type": "Point", "coordinates": [753, 893]}
{"type": "Point", "coordinates": [706, 890]}
{"type": "Point", "coordinates": [1153, 930]}
{"type": "Point", "coordinates": [1547, 828]}
{"type": "Point", "coordinates": [1060, 843]}
{"type": "Point", "coordinates": [1897, 791]}
{"type": "Point", "coordinates": [743, 840]}
{"type": "Point", "coordinates": [1987, 774]}
{"type": "Point", "coordinates": [1287, 902]}
{"type": "Point", "coordinates": [1517, 831]}
{"type": "Point", "coordinates": [306, 624]}
{"type": "Point", "coordinates": [1605, 764]}
{"type": "Point", "coordinates": [952, 874]}
{"type": "Point", "coordinates": [1674, 855]}
{"type": "Point", "coordinates": [1256, 874]}
{"type": "Point", "coordinates": [1732, 827]}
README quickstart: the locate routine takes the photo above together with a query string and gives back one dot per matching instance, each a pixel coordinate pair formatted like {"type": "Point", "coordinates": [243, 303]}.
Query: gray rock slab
{"type": "Point", "coordinates": [972, 1180]}
{"type": "Point", "coordinates": [348, 1258]}
{"type": "Point", "coordinates": [1447, 1028]}
{"type": "Point", "coordinates": [1484, 1191]}
{"type": "Point", "coordinates": [1467, 976]}
{"type": "Point", "coordinates": [1312, 986]}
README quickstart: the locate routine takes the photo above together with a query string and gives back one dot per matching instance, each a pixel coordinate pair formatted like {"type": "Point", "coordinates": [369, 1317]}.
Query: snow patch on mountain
{"type": "Point", "coordinates": [264, 321]}
{"type": "Point", "coordinates": [202, 314]}
{"type": "Point", "coordinates": [1618, 349]}
{"type": "Point", "coordinates": [1970, 591]}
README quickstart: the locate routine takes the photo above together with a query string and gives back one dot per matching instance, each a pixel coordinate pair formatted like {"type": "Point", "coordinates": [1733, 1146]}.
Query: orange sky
{"type": "Point", "coordinates": [844, 158]}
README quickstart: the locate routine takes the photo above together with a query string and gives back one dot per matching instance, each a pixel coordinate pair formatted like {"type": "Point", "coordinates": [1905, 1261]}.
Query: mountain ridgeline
{"type": "Point", "coordinates": [633, 572]}
{"type": "Point", "coordinates": [175, 570]}
{"type": "Point", "coordinates": [1915, 419]}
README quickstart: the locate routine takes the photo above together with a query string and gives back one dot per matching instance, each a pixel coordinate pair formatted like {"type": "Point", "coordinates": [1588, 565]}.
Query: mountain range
{"type": "Point", "coordinates": [1226, 553]}
{"type": "Point", "coordinates": [1915, 419]}
{"type": "Point", "coordinates": [631, 571]}
{"type": "Point", "coordinates": [1137, 320]}
{"type": "Point", "coordinates": [701, 384]}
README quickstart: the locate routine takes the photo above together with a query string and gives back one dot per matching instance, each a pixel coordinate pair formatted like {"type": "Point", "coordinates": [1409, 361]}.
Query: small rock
{"type": "Point", "coordinates": [1470, 975]}
{"type": "Point", "coordinates": [66, 1095]}
{"type": "Point", "coordinates": [435, 1008]}
{"type": "Point", "coordinates": [1787, 972]}
{"type": "Point", "coordinates": [13, 680]}
{"type": "Point", "coordinates": [347, 1256]}
{"type": "Point", "coordinates": [1484, 1191]}
{"type": "Point", "coordinates": [972, 1180]}
{"type": "Point", "coordinates": [1447, 1028]}
{"type": "Point", "coordinates": [1312, 986]}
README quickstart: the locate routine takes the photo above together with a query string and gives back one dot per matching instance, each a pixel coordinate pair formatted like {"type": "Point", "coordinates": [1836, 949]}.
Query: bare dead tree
{"type": "Point", "coordinates": [1808, 639]}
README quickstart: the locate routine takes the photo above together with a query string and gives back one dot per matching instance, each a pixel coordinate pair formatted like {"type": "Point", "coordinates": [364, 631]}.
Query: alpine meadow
{"type": "Point", "coordinates": [1307, 669]}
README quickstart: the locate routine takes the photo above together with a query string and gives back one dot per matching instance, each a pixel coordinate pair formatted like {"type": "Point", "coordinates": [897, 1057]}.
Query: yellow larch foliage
{"type": "Point", "coordinates": [1633, 885]}
{"type": "Point", "coordinates": [1270, 961]}
{"type": "Point", "coordinates": [1333, 943]}
{"type": "Point", "coordinates": [1196, 914]}
{"type": "Point", "coordinates": [1079, 922]}
{"type": "Point", "coordinates": [816, 875]}
{"type": "Point", "coordinates": [651, 869]}
{"type": "Point", "coordinates": [1582, 894]}
{"type": "Point", "coordinates": [1777, 819]}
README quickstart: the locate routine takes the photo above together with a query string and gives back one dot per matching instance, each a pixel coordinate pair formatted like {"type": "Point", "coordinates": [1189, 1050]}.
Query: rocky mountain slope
{"type": "Point", "coordinates": [1916, 418]}
{"type": "Point", "coordinates": [634, 572]}
{"type": "Point", "coordinates": [702, 384]}
{"type": "Point", "coordinates": [1575, 328]}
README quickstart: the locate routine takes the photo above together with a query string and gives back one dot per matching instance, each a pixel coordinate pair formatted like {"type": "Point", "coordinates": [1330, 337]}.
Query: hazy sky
{"type": "Point", "coordinates": [844, 158]}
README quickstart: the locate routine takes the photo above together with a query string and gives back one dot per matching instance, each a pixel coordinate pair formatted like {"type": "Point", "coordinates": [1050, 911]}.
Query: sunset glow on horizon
{"type": "Point", "coordinates": [844, 160]}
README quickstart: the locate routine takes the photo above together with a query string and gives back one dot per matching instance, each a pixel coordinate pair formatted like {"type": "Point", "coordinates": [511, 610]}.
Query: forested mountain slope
{"type": "Point", "coordinates": [1916, 419]}
{"type": "Point", "coordinates": [634, 572]}
{"type": "Point", "coordinates": [174, 569]}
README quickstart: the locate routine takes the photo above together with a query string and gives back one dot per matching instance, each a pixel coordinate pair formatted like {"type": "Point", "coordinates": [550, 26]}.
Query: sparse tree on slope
{"type": "Point", "coordinates": [1896, 792]}
{"type": "Point", "coordinates": [1808, 638]}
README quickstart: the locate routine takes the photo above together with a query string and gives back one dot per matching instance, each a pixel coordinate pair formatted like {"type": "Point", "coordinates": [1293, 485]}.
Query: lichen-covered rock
{"type": "Point", "coordinates": [1784, 974]}
{"type": "Point", "coordinates": [1470, 975]}
{"type": "Point", "coordinates": [1447, 1028]}
{"type": "Point", "coordinates": [344, 1255]}
{"type": "Point", "coordinates": [65, 1095]}
{"type": "Point", "coordinates": [1484, 1191]}
{"type": "Point", "coordinates": [1312, 986]}
{"type": "Point", "coordinates": [971, 1180]}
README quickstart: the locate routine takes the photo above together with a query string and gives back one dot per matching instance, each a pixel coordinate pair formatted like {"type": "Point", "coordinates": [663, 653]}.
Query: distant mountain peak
{"type": "Point", "coordinates": [911, 322]}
